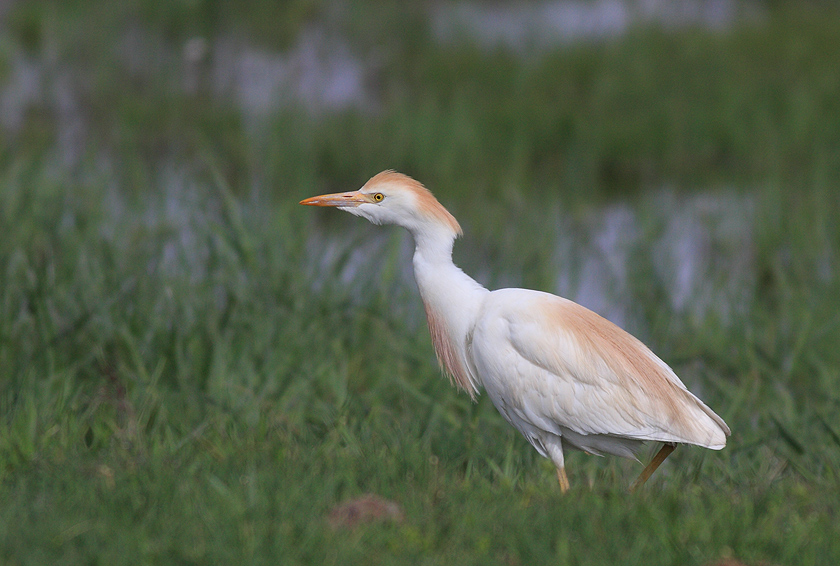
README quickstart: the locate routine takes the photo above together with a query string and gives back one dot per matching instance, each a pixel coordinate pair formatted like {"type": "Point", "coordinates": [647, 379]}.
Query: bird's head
{"type": "Point", "coordinates": [394, 198]}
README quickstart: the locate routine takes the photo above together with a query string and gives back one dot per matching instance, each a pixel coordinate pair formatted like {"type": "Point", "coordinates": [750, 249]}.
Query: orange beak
{"type": "Point", "coordinates": [339, 200]}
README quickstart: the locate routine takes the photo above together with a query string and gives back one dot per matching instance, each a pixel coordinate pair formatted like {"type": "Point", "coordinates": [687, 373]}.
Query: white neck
{"type": "Point", "coordinates": [452, 300]}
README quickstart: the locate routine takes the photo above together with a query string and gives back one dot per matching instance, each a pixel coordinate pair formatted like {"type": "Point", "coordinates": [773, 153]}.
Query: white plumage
{"type": "Point", "coordinates": [560, 374]}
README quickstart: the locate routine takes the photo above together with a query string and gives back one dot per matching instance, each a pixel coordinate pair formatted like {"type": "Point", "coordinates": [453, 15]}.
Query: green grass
{"type": "Point", "coordinates": [189, 374]}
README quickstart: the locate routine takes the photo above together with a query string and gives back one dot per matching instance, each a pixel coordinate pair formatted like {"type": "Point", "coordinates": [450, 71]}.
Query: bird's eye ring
{"type": "Point", "coordinates": [377, 197]}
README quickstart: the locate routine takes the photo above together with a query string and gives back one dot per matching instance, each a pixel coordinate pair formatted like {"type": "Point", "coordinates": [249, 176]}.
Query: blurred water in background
{"type": "Point", "coordinates": [701, 249]}
{"type": "Point", "coordinates": [540, 25]}
{"type": "Point", "coordinates": [322, 72]}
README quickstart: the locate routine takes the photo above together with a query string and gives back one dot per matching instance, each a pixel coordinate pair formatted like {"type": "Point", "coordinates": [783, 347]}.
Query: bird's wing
{"type": "Point", "coordinates": [557, 365]}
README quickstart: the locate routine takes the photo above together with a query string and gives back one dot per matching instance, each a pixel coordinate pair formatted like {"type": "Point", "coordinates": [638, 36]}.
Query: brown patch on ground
{"type": "Point", "coordinates": [364, 509]}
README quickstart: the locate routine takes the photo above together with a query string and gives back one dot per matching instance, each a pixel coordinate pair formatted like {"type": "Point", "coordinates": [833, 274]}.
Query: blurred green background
{"type": "Point", "coordinates": [196, 370]}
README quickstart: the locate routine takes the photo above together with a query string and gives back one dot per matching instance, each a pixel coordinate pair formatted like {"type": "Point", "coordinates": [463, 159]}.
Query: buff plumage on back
{"type": "Point", "coordinates": [638, 370]}
{"type": "Point", "coordinates": [427, 204]}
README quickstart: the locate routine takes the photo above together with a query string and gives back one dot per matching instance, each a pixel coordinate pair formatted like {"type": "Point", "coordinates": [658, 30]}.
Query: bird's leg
{"type": "Point", "coordinates": [563, 479]}
{"type": "Point", "coordinates": [553, 446]}
{"type": "Point", "coordinates": [663, 453]}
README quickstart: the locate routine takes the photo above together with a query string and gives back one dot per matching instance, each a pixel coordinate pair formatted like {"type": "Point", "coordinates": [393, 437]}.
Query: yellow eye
{"type": "Point", "coordinates": [377, 197]}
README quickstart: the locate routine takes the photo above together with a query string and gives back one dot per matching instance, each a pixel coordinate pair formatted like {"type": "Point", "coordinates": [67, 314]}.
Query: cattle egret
{"type": "Point", "coordinates": [563, 376]}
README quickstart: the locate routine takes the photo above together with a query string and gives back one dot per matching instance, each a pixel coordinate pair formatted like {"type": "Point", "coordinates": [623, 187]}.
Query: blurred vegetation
{"type": "Point", "coordinates": [195, 370]}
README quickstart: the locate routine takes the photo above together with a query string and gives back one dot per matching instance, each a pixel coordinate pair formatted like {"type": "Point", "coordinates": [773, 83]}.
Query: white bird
{"type": "Point", "coordinates": [563, 376]}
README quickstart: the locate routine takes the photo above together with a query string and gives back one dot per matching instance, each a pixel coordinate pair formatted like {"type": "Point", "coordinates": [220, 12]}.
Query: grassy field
{"type": "Point", "coordinates": [196, 370]}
